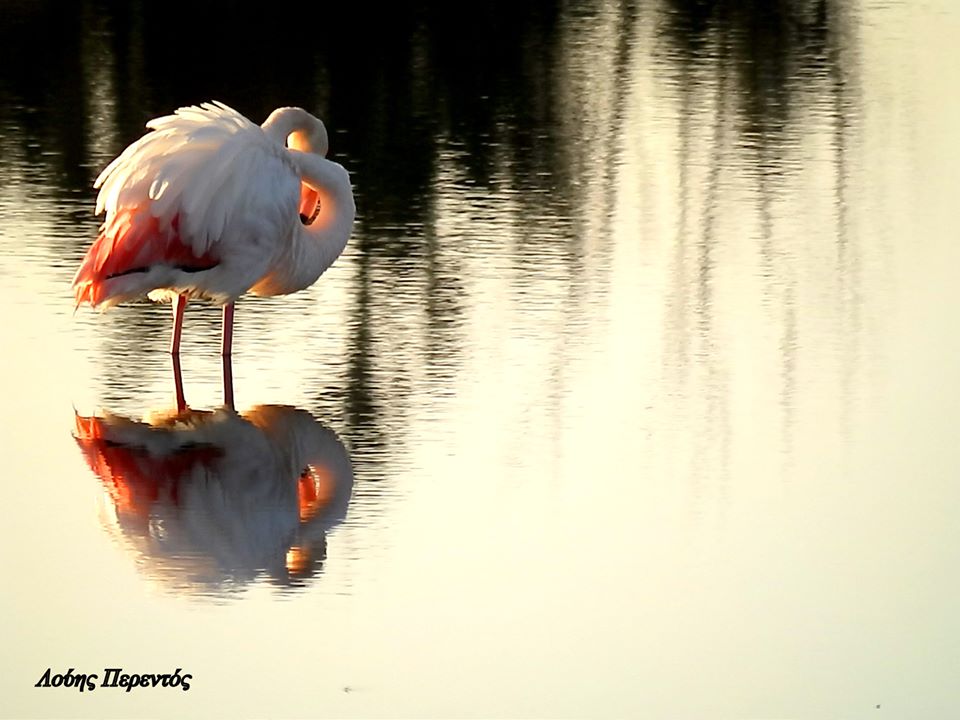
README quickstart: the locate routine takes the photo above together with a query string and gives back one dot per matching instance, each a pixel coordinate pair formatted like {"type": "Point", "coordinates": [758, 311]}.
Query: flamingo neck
{"type": "Point", "coordinates": [328, 234]}
{"type": "Point", "coordinates": [296, 128]}
{"type": "Point", "coordinates": [315, 250]}
{"type": "Point", "coordinates": [315, 247]}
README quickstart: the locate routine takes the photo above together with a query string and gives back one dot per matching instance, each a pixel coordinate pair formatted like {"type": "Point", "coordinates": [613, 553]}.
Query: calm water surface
{"type": "Point", "coordinates": [635, 393]}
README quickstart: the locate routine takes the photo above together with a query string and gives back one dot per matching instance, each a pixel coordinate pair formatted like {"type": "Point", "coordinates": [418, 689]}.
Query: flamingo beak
{"type": "Point", "coordinates": [309, 204]}
{"type": "Point", "coordinates": [309, 198]}
{"type": "Point", "coordinates": [315, 490]}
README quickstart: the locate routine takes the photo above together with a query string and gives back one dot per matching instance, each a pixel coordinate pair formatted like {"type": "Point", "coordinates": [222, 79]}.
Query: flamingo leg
{"type": "Point", "coordinates": [178, 384]}
{"type": "Point", "coordinates": [226, 346]}
{"type": "Point", "coordinates": [228, 382]}
{"type": "Point", "coordinates": [179, 304]}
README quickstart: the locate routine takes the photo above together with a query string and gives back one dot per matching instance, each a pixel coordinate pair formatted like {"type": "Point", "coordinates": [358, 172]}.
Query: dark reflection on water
{"type": "Point", "coordinates": [755, 82]}
{"type": "Point", "coordinates": [210, 501]}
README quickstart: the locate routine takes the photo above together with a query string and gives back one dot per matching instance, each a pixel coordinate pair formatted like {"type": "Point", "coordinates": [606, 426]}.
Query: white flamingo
{"type": "Point", "coordinates": [210, 205]}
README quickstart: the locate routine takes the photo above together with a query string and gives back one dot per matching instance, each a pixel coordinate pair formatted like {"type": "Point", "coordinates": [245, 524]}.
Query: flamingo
{"type": "Point", "coordinates": [210, 205]}
{"type": "Point", "coordinates": [213, 499]}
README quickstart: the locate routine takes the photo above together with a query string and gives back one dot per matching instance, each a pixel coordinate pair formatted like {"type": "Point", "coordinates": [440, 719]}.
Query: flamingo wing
{"type": "Point", "coordinates": [204, 187]}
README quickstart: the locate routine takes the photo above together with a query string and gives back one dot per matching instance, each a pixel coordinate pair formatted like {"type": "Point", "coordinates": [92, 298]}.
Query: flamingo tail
{"type": "Point", "coordinates": [130, 243]}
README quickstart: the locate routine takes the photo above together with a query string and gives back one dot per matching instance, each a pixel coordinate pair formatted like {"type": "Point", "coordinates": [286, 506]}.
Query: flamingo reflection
{"type": "Point", "coordinates": [213, 499]}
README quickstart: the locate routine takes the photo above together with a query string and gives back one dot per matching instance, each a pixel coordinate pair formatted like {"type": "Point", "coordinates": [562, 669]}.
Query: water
{"type": "Point", "coordinates": [633, 395]}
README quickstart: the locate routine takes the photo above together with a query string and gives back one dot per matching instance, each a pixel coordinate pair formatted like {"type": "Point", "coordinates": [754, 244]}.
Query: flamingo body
{"type": "Point", "coordinates": [209, 204]}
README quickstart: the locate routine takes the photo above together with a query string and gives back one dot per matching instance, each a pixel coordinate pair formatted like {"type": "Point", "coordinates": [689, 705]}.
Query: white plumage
{"type": "Point", "coordinates": [208, 204]}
